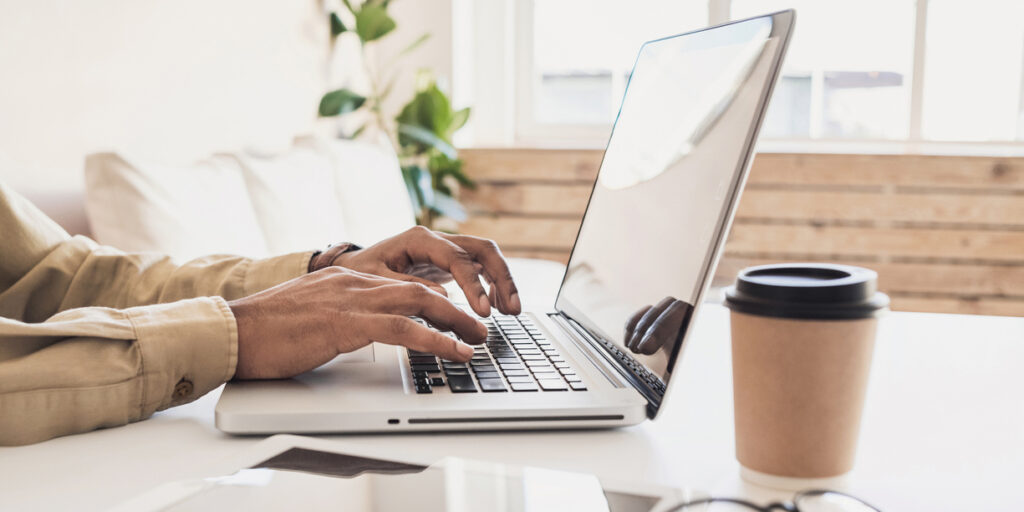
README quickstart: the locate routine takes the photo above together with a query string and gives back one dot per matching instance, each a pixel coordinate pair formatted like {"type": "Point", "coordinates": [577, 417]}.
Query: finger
{"type": "Point", "coordinates": [631, 324]}
{"type": "Point", "coordinates": [489, 255]}
{"type": "Point", "coordinates": [412, 299]}
{"type": "Point", "coordinates": [398, 276]}
{"type": "Point", "coordinates": [492, 295]}
{"type": "Point", "coordinates": [458, 262]}
{"type": "Point", "coordinates": [645, 321]}
{"type": "Point", "coordinates": [665, 328]}
{"type": "Point", "coordinates": [403, 331]}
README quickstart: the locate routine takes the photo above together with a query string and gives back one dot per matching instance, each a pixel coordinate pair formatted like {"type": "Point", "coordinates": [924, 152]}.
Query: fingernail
{"type": "Point", "coordinates": [465, 351]}
{"type": "Point", "coordinates": [514, 302]}
{"type": "Point", "coordinates": [485, 304]}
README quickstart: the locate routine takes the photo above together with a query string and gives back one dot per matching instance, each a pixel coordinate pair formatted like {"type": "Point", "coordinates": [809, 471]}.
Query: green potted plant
{"type": "Point", "coordinates": [421, 133]}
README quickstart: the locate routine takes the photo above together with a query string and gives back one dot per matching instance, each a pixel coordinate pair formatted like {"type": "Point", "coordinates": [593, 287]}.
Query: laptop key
{"type": "Point", "coordinates": [578, 386]}
{"type": "Point", "coordinates": [488, 375]}
{"type": "Point", "coordinates": [573, 378]}
{"type": "Point", "coordinates": [518, 378]}
{"type": "Point", "coordinates": [547, 376]}
{"type": "Point", "coordinates": [429, 368]}
{"type": "Point", "coordinates": [461, 384]}
{"type": "Point", "coordinates": [524, 386]}
{"type": "Point", "coordinates": [437, 381]}
{"type": "Point", "coordinates": [517, 373]}
{"type": "Point", "coordinates": [553, 385]}
{"type": "Point", "coordinates": [492, 385]}
{"type": "Point", "coordinates": [423, 389]}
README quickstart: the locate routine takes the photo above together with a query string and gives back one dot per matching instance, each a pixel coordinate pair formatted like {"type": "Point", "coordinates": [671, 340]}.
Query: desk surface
{"type": "Point", "coordinates": [943, 428]}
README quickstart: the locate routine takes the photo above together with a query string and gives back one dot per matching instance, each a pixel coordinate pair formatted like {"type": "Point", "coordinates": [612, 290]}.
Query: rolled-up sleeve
{"type": "Point", "coordinates": [93, 337]}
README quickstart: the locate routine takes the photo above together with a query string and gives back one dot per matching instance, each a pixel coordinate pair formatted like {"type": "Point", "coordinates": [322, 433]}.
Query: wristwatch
{"type": "Point", "coordinates": [325, 258]}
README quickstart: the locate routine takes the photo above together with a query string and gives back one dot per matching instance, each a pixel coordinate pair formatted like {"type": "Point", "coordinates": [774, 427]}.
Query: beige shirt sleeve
{"type": "Point", "coordinates": [92, 337]}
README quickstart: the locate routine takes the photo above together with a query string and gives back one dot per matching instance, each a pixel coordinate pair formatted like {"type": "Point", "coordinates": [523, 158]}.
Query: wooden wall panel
{"type": "Point", "coordinates": [946, 234]}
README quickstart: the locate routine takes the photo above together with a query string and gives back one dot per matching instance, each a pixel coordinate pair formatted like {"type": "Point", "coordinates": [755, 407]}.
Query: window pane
{"type": "Point", "coordinates": [848, 71]}
{"type": "Point", "coordinates": [584, 51]}
{"type": "Point", "coordinates": [974, 55]}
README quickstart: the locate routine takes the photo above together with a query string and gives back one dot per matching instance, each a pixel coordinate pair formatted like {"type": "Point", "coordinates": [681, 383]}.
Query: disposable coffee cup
{"type": "Point", "coordinates": [802, 340]}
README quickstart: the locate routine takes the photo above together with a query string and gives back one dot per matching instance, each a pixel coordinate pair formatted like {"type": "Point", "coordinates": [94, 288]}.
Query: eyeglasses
{"type": "Point", "coordinates": [815, 500]}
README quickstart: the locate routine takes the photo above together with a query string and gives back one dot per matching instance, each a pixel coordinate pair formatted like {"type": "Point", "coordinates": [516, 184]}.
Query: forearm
{"type": "Point", "coordinates": [96, 367]}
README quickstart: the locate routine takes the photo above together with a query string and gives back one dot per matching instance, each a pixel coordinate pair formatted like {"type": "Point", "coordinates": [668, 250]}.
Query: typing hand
{"type": "Point", "coordinates": [432, 258]}
{"type": "Point", "coordinates": [303, 323]}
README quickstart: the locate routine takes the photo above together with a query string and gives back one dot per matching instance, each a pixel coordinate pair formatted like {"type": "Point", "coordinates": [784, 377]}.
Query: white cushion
{"type": "Point", "coordinates": [369, 187]}
{"type": "Point", "coordinates": [294, 198]}
{"type": "Point", "coordinates": [184, 211]}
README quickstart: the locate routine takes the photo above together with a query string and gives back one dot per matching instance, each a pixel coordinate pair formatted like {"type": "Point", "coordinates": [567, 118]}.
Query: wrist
{"type": "Point", "coordinates": [328, 257]}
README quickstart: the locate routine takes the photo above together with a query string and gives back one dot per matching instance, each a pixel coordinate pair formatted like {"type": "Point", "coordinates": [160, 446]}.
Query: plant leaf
{"type": "Point", "coordinates": [459, 119]}
{"type": "Point", "coordinates": [340, 102]}
{"type": "Point", "coordinates": [337, 27]}
{"type": "Point", "coordinates": [348, 4]}
{"type": "Point", "coordinates": [417, 184]}
{"type": "Point", "coordinates": [449, 207]}
{"type": "Point", "coordinates": [373, 22]}
{"type": "Point", "coordinates": [427, 138]}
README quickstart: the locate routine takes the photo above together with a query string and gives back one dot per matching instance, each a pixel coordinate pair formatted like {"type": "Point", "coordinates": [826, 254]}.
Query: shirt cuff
{"type": "Point", "coordinates": [188, 348]}
{"type": "Point", "coordinates": [265, 273]}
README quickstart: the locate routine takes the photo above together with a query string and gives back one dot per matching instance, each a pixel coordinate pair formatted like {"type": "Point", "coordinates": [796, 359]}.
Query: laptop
{"type": "Point", "coordinates": [646, 251]}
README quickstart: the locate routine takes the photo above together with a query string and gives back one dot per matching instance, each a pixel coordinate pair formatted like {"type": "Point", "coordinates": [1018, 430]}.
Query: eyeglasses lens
{"type": "Point", "coordinates": [831, 502]}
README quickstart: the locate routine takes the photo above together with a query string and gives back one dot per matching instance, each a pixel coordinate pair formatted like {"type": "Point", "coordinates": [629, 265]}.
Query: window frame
{"type": "Point", "coordinates": [516, 126]}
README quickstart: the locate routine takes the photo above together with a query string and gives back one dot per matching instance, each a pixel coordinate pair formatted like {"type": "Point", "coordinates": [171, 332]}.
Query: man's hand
{"type": "Point", "coordinates": [431, 258]}
{"type": "Point", "coordinates": [303, 323]}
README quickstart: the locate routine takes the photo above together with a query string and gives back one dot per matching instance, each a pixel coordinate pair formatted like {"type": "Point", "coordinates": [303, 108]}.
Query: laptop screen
{"type": "Point", "coordinates": [665, 190]}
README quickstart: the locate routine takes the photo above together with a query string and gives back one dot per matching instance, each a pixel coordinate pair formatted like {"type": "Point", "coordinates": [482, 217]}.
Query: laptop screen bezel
{"type": "Point", "coordinates": [782, 23]}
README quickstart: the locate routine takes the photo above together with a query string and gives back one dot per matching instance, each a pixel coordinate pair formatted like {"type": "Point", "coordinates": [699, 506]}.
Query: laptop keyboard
{"type": "Point", "coordinates": [516, 357]}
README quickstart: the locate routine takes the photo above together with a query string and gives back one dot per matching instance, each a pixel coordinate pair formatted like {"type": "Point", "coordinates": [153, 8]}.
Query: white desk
{"type": "Point", "coordinates": [943, 428]}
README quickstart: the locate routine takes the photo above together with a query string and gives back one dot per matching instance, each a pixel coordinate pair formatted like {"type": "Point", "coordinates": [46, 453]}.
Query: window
{"type": "Point", "coordinates": [899, 72]}
{"type": "Point", "coordinates": [580, 68]}
{"type": "Point", "coordinates": [848, 70]}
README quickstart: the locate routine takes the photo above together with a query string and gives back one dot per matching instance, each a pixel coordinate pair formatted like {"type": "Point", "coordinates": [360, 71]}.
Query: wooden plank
{"type": "Point", "coordinates": [916, 277]}
{"type": "Point", "coordinates": [508, 164]}
{"type": "Point", "coordinates": [873, 206]}
{"type": "Point", "coordinates": [524, 232]}
{"type": "Point", "coordinates": [504, 165]}
{"type": "Point", "coordinates": [868, 242]}
{"type": "Point", "coordinates": [560, 199]}
{"type": "Point", "coordinates": [901, 170]}
{"type": "Point", "coordinates": [964, 306]}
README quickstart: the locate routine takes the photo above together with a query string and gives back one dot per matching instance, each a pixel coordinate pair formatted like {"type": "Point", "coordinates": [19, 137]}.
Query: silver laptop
{"type": "Point", "coordinates": [657, 219]}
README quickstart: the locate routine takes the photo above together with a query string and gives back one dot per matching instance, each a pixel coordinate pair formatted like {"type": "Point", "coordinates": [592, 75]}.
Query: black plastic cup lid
{"type": "Point", "coordinates": [807, 291]}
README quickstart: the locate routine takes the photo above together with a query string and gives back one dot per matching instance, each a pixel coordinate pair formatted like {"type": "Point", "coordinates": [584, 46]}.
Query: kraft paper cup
{"type": "Point", "coordinates": [802, 340]}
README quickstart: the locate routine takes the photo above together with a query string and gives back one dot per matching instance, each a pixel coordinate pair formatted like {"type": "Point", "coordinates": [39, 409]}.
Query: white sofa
{"type": "Point", "coordinates": [319, 191]}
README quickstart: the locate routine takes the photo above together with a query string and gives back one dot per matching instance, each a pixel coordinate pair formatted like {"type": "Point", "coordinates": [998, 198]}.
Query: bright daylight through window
{"type": "Point", "coordinates": [849, 74]}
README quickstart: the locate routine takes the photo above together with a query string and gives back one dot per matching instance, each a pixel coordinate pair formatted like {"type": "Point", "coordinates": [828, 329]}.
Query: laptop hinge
{"type": "Point", "coordinates": [594, 348]}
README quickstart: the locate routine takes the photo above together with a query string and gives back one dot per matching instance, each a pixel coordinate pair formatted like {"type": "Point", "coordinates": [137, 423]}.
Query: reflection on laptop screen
{"type": "Point", "coordinates": [662, 195]}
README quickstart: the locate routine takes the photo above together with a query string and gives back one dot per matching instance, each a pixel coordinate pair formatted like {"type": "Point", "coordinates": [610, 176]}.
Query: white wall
{"type": "Point", "coordinates": [177, 80]}
{"type": "Point", "coordinates": [172, 79]}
